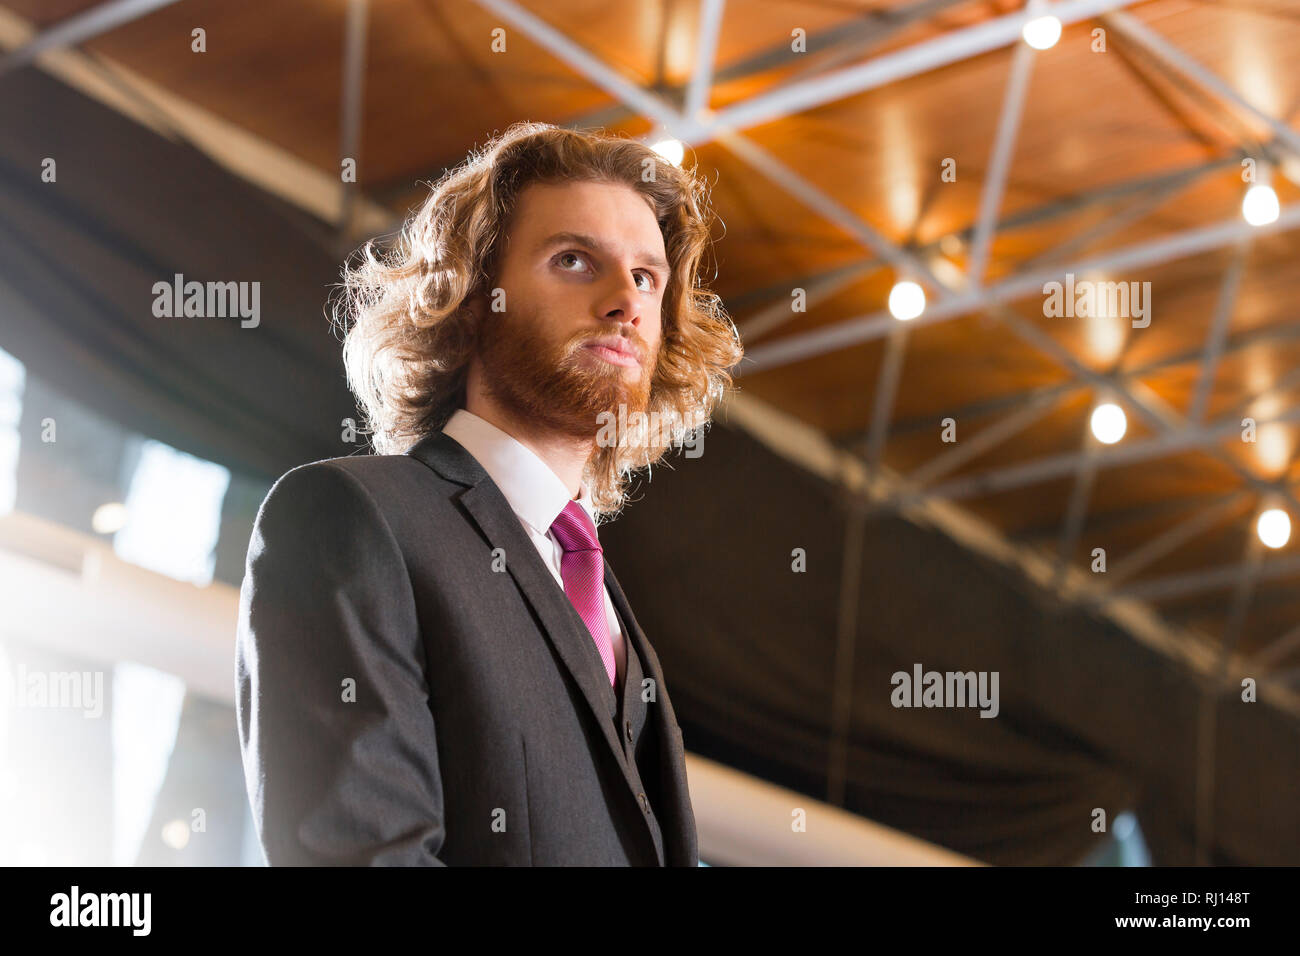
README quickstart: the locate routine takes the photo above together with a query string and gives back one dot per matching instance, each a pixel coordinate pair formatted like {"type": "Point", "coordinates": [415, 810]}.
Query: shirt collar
{"type": "Point", "coordinates": [534, 491]}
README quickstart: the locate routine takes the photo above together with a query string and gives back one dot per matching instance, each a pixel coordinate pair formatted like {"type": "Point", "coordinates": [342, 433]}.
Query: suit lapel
{"type": "Point", "coordinates": [681, 837]}
{"type": "Point", "coordinates": [563, 627]}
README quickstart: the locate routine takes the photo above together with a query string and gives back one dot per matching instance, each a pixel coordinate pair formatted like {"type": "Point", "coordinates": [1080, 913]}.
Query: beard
{"type": "Point", "coordinates": [556, 385]}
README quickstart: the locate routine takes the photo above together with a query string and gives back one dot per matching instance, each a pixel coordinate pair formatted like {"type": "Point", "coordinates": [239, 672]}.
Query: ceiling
{"type": "Point", "coordinates": [1114, 164]}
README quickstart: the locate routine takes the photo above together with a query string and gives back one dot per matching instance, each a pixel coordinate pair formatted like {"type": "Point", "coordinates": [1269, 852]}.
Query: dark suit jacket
{"type": "Point", "coordinates": [402, 703]}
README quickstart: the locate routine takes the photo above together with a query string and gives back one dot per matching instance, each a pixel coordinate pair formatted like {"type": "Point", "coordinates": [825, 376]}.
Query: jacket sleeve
{"type": "Point", "coordinates": [335, 730]}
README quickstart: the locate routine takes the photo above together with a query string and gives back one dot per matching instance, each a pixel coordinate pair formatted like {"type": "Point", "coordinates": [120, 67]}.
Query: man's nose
{"type": "Point", "coordinates": [624, 302]}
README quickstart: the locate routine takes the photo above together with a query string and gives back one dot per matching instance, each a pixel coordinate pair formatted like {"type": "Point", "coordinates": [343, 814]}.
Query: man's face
{"type": "Point", "coordinates": [583, 262]}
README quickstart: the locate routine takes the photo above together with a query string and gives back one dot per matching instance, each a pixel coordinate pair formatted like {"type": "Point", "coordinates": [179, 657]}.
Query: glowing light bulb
{"type": "Point", "coordinates": [906, 300]}
{"type": "Point", "coordinates": [671, 150]}
{"type": "Point", "coordinates": [109, 518]}
{"type": "Point", "coordinates": [1274, 527]}
{"type": "Point", "coordinates": [1108, 423]}
{"type": "Point", "coordinates": [1260, 205]}
{"type": "Point", "coordinates": [1041, 33]}
{"type": "Point", "coordinates": [176, 834]}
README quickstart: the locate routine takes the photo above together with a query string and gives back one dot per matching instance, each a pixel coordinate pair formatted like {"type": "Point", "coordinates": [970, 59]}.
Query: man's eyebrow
{"type": "Point", "coordinates": [591, 242]}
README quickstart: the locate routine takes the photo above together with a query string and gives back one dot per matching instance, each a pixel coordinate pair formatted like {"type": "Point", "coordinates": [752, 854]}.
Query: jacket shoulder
{"type": "Point", "coordinates": [366, 470]}
{"type": "Point", "coordinates": [386, 486]}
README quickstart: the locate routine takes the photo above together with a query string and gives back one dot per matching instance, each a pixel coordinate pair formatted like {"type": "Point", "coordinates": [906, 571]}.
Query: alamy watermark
{"type": "Point", "coordinates": [102, 909]}
{"type": "Point", "coordinates": [71, 690]}
{"type": "Point", "coordinates": [1086, 299]}
{"type": "Point", "coordinates": [946, 689]}
{"type": "Point", "coordinates": [633, 431]}
{"type": "Point", "coordinates": [199, 300]}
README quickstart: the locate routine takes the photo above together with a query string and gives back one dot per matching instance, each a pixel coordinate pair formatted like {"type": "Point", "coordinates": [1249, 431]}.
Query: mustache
{"type": "Point", "coordinates": [634, 343]}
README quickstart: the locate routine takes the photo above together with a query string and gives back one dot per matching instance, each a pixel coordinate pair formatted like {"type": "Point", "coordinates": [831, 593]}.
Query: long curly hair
{"type": "Point", "coordinates": [408, 337]}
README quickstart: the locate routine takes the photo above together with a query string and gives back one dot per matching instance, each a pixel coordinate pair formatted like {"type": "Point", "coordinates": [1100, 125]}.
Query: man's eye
{"type": "Point", "coordinates": [649, 276]}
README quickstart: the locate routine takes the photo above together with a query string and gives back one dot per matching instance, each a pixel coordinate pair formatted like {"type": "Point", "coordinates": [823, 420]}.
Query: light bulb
{"type": "Point", "coordinates": [906, 300]}
{"type": "Point", "coordinates": [109, 518]}
{"type": "Point", "coordinates": [671, 150]}
{"type": "Point", "coordinates": [1274, 527]}
{"type": "Point", "coordinates": [1109, 423]}
{"type": "Point", "coordinates": [1041, 33]}
{"type": "Point", "coordinates": [1260, 205]}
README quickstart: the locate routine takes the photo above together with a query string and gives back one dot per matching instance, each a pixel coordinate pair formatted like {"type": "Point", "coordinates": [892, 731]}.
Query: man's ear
{"type": "Point", "coordinates": [474, 305]}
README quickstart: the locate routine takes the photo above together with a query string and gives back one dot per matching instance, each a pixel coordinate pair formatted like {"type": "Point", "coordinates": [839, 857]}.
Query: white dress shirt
{"type": "Point", "coordinates": [536, 494]}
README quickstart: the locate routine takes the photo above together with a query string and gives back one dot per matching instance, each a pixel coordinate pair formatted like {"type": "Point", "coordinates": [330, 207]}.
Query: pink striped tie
{"type": "Point", "coordinates": [582, 568]}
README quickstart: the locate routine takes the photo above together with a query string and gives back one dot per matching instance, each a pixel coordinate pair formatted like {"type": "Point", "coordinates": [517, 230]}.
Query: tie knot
{"type": "Point", "coordinates": [574, 530]}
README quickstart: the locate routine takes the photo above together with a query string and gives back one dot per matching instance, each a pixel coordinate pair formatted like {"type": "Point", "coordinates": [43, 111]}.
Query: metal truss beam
{"type": "Point", "coordinates": [949, 48]}
{"type": "Point", "coordinates": [1076, 510]}
{"type": "Point", "coordinates": [1218, 333]}
{"type": "Point", "coordinates": [1278, 332]}
{"type": "Point", "coordinates": [858, 36]}
{"type": "Point", "coordinates": [817, 200]}
{"type": "Point", "coordinates": [1277, 650]}
{"type": "Point", "coordinates": [1182, 585]}
{"type": "Point", "coordinates": [848, 40]}
{"type": "Point", "coordinates": [818, 289]}
{"type": "Point", "coordinates": [1138, 32]}
{"type": "Point", "coordinates": [876, 325]}
{"type": "Point", "coordinates": [706, 50]}
{"type": "Point", "coordinates": [611, 81]}
{"type": "Point", "coordinates": [984, 440]}
{"type": "Point", "coordinates": [995, 179]}
{"type": "Point", "coordinates": [78, 29]}
{"type": "Point", "coordinates": [1057, 466]}
{"type": "Point", "coordinates": [1173, 538]}
{"type": "Point", "coordinates": [1150, 190]}
{"type": "Point", "coordinates": [882, 407]}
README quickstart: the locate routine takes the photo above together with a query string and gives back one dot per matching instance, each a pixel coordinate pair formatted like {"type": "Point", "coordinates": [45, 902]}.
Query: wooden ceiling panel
{"type": "Point", "coordinates": [837, 399]}
{"type": "Point", "coordinates": [1223, 544]}
{"type": "Point", "coordinates": [277, 75]}
{"type": "Point", "coordinates": [763, 29]}
{"type": "Point", "coordinates": [880, 154]}
{"type": "Point", "coordinates": [767, 240]}
{"type": "Point", "coordinates": [1239, 376]}
{"type": "Point", "coordinates": [1251, 46]}
{"type": "Point", "coordinates": [435, 83]}
{"type": "Point", "coordinates": [1020, 508]}
{"type": "Point", "coordinates": [765, 26]}
{"type": "Point", "coordinates": [920, 439]}
{"type": "Point", "coordinates": [1131, 505]}
{"type": "Point", "coordinates": [46, 13]}
{"type": "Point", "coordinates": [949, 365]}
{"type": "Point", "coordinates": [1124, 492]}
{"type": "Point", "coordinates": [1274, 613]}
{"type": "Point", "coordinates": [1065, 144]}
{"type": "Point", "coordinates": [1125, 515]}
{"type": "Point", "coordinates": [1272, 454]}
{"type": "Point", "coordinates": [865, 296]}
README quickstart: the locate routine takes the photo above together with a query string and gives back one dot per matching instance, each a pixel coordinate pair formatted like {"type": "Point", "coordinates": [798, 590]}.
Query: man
{"type": "Point", "coordinates": [434, 664]}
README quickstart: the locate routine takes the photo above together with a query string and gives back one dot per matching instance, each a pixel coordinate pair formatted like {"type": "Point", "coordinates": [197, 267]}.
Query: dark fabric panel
{"type": "Point", "coordinates": [78, 260]}
{"type": "Point", "coordinates": [747, 645]}
{"type": "Point", "coordinates": [1089, 716]}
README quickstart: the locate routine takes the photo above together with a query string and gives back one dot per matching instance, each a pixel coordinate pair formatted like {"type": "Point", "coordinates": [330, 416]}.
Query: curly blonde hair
{"type": "Point", "coordinates": [408, 337]}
